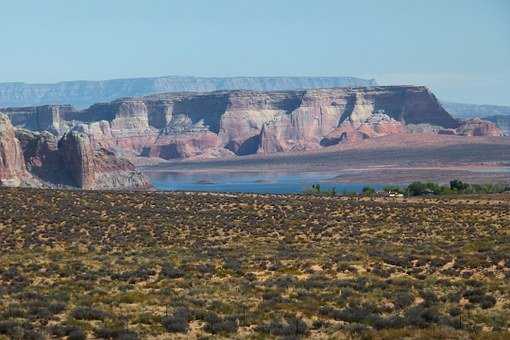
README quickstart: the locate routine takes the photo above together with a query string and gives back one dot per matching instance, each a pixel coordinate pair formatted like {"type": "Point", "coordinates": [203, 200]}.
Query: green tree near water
{"type": "Point", "coordinates": [428, 188]}
{"type": "Point", "coordinates": [317, 188]}
{"type": "Point", "coordinates": [368, 191]}
{"type": "Point", "coordinates": [457, 185]}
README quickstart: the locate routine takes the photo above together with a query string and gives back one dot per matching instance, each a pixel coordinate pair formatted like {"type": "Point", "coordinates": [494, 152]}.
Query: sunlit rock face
{"type": "Point", "coordinates": [12, 165]}
{"type": "Point", "coordinates": [90, 167]}
{"type": "Point", "coordinates": [240, 122]}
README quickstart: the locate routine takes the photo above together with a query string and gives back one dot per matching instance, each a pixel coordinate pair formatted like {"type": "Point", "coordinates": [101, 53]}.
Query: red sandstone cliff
{"type": "Point", "coordinates": [12, 166]}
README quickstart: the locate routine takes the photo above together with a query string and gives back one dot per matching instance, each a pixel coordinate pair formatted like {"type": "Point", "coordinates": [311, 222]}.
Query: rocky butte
{"type": "Point", "coordinates": [228, 124]}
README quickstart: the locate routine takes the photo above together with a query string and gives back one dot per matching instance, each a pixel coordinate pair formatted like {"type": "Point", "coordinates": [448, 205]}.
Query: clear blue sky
{"type": "Point", "coordinates": [461, 49]}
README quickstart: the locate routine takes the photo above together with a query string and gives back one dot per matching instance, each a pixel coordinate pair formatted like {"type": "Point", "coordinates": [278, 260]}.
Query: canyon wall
{"type": "Point", "coordinates": [229, 123]}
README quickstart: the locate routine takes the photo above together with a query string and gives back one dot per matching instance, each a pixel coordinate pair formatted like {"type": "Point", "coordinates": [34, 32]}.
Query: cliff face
{"type": "Point", "coordinates": [85, 93]}
{"type": "Point", "coordinates": [247, 122]}
{"type": "Point", "coordinates": [322, 111]}
{"type": "Point", "coordinates": [226, 123]}
{"type": "Point", "coordinates": [40, 159]}
{"type": "Point", "coordinates": [91, 168]}
{"type": "Point", "coordinates": [12, 166]}
{"type": "Point", "coordinates": [41, 156]}
{"type": "Point", "coordinates": [40, 118]}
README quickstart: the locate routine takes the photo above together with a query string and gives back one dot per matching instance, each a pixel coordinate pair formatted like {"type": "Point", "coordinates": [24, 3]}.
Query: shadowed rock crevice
{"type": "Point", "coordinates": [248, 147]}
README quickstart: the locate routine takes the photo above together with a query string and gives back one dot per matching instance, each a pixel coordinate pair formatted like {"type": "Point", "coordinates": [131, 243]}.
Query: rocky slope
{"type": "Point", "coordinates": [99, 168]}
{"type": "Point", "coordinates": [85, 93]}
{"type": "Point", "coordinates": [39, 159]}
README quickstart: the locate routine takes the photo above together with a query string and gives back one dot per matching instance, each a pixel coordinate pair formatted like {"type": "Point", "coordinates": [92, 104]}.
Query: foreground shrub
{"type": "Point", "coordinates": [117, 334]}
{"type": "Point", "coordinates": [178, 322]}
{"type": "Point", "coordinates": [291, 327]}
{"type": "Point", "coordinates": [87, 313]}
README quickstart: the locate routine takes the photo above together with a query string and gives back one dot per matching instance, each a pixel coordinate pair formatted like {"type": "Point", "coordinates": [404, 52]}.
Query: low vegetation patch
{"type": "Point", "coordinates": [140, 265]}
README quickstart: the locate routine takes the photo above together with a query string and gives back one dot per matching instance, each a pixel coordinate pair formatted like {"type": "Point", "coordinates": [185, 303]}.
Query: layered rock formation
{"type": "Point", "coordinates": [39, 159]}
{"type": "Point", "coordinates": [229, 123]}
{"type": "Point", "coordinates": [12, 166]}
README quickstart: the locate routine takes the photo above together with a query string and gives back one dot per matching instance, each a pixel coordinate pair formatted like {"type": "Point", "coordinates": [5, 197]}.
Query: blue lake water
{"type": "Point", "coordinates": [250, 182]}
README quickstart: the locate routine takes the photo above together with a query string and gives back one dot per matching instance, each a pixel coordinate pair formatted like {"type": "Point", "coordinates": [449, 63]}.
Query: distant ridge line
{"type": "Point", "coordinates": [82, 93]}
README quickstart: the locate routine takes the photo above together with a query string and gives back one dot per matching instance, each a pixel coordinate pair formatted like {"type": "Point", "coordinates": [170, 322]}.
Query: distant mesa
{"type": "Point", "coordinates": [82, 94]}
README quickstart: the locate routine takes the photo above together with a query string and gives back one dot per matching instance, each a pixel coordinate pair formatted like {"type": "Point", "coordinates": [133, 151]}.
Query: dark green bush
{"type": "Point", "coordinates": [291, 327]}
{"type": "Point", "coordinates": [368, 191]}
{"type": "Point", "coordinates": [403, 300]}
{"type": "Point", "coordinates": [116, 334]}
{"type": "Point", "coordinates": [169, 271]}
{"type": "Point", "coordinates": [87, 313]}
{"type": "Point", "coordinates": [175, 324]}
